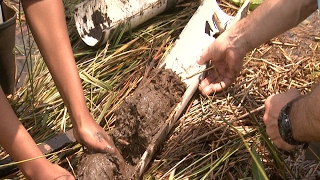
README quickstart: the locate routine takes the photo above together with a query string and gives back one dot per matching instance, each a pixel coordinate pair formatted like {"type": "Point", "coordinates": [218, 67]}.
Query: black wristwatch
{"type": "Point", "coordinates": [285, 126]}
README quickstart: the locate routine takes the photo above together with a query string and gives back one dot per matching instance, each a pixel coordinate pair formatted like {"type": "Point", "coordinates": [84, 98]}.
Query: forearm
{"type": "Point", "coordinates": [270, 19]}
{"type": "Point", "coordinates": [305, 117]}
{"type": "Point", "coordinates": [47, 22]}
{"type": "Point", "coordinates": [16, 140]}
{"type": "Point", "coordinates": [48, 26]}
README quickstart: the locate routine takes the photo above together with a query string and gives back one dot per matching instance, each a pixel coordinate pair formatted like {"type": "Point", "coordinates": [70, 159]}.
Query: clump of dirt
{"type": "Point", "coordinates": [137, 121]}
{"type": "Point", "coordinates": [98, 166]}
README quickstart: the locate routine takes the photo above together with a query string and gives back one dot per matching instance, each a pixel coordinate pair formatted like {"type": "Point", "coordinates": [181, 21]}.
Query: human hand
{"type": "Point", "coordinates": [273, 106]}
{"type": "Point", "coordinates": [227, 61]}
{"type": "Point", "coordinates": [43, 169]}
{"type": "Point", "coordinates": [61, 174]}
{"type": "Point", "coordinates": [90, 134]}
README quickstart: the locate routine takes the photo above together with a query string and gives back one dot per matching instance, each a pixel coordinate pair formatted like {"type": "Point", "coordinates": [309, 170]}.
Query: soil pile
{"type": "Point", "coordinates": [138, 119]}
{"type": "Point", "coordinates": [98, 166]}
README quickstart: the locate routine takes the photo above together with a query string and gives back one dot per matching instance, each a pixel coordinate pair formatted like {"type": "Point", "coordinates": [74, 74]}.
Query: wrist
{"type": "Point", "coordinates": [239, 40]}
{"type": "Point", "coordinates": [285, 124]}
{"type": "Point", "coordinates": [78, 118]}
{"type": "Point", "coordinates": [304, 118]}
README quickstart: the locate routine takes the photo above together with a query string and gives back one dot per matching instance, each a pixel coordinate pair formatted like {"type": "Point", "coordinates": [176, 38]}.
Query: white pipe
{"type": "Point", "coordinates": [1, 17]}
{"type": "Point", "coordinates": [97, 19]}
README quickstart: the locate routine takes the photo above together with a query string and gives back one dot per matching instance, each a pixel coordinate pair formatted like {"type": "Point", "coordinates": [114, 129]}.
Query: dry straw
{"type": "Point", "coordinates": [219, 137]}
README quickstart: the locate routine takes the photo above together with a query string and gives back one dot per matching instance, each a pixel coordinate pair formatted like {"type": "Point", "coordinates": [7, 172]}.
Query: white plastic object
{"type": "Point", "coordinates": [97, 19]}
{"type": "Point", "coordinates": [1, 17]}
{"type": "Point", "coordinates": [197, 35]}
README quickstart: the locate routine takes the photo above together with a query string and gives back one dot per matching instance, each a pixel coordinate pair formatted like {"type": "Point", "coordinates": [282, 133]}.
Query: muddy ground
{"type": "Point", "coordinates": [137, 121]}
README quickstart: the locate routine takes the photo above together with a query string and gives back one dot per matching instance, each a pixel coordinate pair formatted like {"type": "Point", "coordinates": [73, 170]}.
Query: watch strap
{"type": "Point", "coordinates": [285, 125]}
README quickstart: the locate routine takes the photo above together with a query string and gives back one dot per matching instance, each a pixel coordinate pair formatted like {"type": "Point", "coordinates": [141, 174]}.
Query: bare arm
{"type": "Point", "coordinates": [273, 18]}
{"type": "Point", "coordinates": [20, 145]}
{"type": "Point", "coordinates": [305, 117]}
{"type": "Point", "coordinates": [270, 19]}
{"type": "Point", "coordinates": [47, 22]}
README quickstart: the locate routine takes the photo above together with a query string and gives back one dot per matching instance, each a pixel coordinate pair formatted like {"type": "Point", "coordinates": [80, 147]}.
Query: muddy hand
{"type": "Point", "coordinates": [90, 134]}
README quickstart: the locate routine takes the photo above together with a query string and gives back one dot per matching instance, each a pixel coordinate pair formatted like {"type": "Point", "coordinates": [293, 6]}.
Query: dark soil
{"type": "Point", "coordinates": [137, 121]}
{"type": "Point", "coordinates": [98, 166]}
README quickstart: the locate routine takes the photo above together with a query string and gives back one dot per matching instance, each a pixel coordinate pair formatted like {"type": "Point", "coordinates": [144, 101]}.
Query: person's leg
{"type": "Point", "coordinates": [19, 144]}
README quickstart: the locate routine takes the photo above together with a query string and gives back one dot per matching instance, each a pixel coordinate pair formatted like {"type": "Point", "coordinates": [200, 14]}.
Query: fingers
{"type": "Point", "coordinates": [272, 131]}
{"type": "Point", "coordinates": [225, 64]}
{"type": "Point", "coordinates": [273, 106]}
{"type": "Point", "coordinates": [211, 88]}
{"type": "Point", "coordinates": [97, 140]}
{"type": "Point", "coordinates": [275, 137]}
{"type": "Point", "coordinates": [111, 148]}
{"type": "Point", "coordinates": [116, 154]}
{"type": "Point", "coordinates": [55, 172]}
{"type": "Point", "coordinates": [212, 84]}
{"type": "Point", "coordinates": [65, 177]}
{"type": "Point", "coordinates": [121, 162]}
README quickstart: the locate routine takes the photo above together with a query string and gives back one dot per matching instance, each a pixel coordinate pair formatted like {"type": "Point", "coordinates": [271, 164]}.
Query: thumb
{"type": "Point", "coordinates": [206, 56]}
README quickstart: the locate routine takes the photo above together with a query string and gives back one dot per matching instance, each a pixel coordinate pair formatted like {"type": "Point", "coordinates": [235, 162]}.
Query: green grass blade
{"type": "Point", "coordinates": [258, 170]}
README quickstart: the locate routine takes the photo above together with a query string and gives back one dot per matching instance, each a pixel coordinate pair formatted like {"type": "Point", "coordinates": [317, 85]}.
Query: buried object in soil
{"type": "Point", "coordinates": [138, 120]}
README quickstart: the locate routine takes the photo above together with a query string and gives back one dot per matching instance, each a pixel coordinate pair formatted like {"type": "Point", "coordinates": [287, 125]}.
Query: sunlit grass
{"type": "Point", "coordinates": [218, 137]}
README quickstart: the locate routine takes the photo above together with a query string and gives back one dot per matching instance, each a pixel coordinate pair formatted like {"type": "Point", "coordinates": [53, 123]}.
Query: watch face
{"type": "Point", "coordinates": [284, 129]}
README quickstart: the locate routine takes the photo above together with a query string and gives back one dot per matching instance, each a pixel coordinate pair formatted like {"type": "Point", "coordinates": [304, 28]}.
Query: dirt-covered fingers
{"type": "Point", "coordinates": [115, 153]}
{"type": "Point", "coordinates": [121, 162]}
{"type": "Point", "coordinates": [111, 148]}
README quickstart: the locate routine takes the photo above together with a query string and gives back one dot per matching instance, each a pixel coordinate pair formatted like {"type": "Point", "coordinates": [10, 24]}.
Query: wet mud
{"type": "Point", "coordinates": [137, 121]}
{"type": "Point", "coordinates": [98, 166]}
